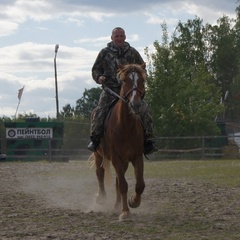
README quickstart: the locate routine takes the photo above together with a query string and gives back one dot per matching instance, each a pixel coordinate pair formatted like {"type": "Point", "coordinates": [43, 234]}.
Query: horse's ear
{"type": "Point", "coordinates": [143, 66]}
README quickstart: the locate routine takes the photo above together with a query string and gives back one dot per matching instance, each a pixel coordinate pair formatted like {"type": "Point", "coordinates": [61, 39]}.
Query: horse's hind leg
{"type": "Point", "coordinates": [135, 199]}
{"type": "Point", "coordinates": [101, 196]}
{"type": "Point", "coordinates": [117, 207]}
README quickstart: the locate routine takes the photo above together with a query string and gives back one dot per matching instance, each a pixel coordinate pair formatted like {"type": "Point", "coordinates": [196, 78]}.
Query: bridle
{"type": "Point", "coordinates": [133, 75]}
{"type": "Point", "coordinates": [125, 99]}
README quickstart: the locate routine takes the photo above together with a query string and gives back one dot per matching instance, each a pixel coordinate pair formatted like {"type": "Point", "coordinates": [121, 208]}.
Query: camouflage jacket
{"type": "Point", "coordinates": [108, 59]}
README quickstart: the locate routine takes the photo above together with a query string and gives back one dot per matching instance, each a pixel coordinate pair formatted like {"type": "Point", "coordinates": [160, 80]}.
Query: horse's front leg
{"type": "Point", "coordinates": [101, 196]}
{"type": "Point", "coordinates": [121, 189]}
{"type": "Point", "coordinates": [135, 199]}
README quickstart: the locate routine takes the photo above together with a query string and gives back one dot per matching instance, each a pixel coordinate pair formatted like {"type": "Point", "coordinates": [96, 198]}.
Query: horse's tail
{"type": "Point", "coordinates": [106, 166]}
{"type": "Point", "coordinates": [92, 160]}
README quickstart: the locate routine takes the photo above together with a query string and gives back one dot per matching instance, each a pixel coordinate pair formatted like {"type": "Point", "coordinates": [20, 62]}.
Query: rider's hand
{"type": "Point", "coordinates": [101, 79]}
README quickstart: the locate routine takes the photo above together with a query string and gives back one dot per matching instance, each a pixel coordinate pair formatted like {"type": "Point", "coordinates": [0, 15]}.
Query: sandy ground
{"type": "Point", "coordinates": [44, 200]}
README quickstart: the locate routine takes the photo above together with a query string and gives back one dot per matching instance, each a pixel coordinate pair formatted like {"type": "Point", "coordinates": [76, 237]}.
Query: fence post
{"type": "Point", "coordinates": [49, 150]}
{"type": "Point", "coordinates": [203, 147]}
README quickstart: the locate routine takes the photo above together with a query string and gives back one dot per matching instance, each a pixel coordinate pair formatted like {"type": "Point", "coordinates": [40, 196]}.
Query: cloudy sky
{"type": "Point", "coordinates": [30, 29]}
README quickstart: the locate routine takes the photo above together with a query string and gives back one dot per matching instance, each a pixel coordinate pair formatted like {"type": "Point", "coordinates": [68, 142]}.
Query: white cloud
{"type": "Point", "coordinates": [93, 40]}
{"type": "Point", "coordinates": [7, 27]}
{"type": "Point", "coordinates": [75, 21]}
{"type": "Point", "coordinates": [133, 38]}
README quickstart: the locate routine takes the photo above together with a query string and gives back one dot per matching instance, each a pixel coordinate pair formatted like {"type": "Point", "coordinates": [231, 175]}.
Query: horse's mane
{"type": "Point", "coordinates": [124, 70]}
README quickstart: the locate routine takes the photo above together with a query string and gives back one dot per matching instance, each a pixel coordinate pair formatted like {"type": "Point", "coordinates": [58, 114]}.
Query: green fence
{"type": "Point", "coordinates": [26, 139]}
{"type": "Point", "coordinates": [68, 140]}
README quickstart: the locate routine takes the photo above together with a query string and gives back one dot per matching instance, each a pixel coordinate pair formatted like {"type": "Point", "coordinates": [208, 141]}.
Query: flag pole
{"type": "Point", "coordinates": [20, 92]}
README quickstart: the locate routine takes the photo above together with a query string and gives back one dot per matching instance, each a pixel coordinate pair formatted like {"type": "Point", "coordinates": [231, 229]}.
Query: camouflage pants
{"type": "Point", "coordinates": [104, 104]}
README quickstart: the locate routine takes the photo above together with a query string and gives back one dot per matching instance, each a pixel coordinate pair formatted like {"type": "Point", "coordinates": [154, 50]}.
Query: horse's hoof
{"type": "Point", "coordinates": [132, 203]}
{"type": "Point", "coordinates": [124, 215]}
{"type": "Point", "coordinates": [100, 199]}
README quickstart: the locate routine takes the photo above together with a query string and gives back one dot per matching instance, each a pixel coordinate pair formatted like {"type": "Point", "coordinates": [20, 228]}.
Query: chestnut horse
{"type": "Point", "coordinates": [123, 140]}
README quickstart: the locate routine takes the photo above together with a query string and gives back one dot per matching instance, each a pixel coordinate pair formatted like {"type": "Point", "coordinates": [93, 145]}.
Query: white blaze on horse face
{"type": "Point", "coordinates": [134, 78]}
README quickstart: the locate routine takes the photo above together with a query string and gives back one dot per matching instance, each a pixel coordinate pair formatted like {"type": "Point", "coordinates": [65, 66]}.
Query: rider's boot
{"type": "Point", "coordinates": [94, 143]}
{"type": "Point", "coordinates": [149, 147]}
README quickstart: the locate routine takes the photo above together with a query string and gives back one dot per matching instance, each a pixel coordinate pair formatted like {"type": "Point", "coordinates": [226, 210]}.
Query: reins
{"type": "Point", "coordinates": [110, 91]}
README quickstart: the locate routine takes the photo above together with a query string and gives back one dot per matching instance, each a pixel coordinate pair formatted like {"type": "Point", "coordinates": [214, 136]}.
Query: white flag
{"type": "Point", "coordinates": [20, 92]}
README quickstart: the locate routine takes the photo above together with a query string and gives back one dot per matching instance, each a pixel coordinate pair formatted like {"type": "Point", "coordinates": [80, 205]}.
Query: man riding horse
{"type": "Point", "coordinates": [104, 71]}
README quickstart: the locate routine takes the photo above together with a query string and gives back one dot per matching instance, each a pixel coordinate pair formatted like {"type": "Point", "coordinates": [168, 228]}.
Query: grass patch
{"type": "Point", "coordinates": [220, 172]}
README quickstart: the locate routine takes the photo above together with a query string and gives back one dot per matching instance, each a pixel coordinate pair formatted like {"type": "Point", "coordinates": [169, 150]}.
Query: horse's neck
{"type": "Point", "coordinates": [124, 115]}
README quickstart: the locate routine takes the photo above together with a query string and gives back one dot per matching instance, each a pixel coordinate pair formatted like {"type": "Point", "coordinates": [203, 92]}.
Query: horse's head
{"type": "Point", "coordinates": [133, 78]}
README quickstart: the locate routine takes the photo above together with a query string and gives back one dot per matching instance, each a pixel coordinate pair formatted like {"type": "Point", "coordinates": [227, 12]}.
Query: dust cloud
{"type": "Point", "coordinates": [69, 188]}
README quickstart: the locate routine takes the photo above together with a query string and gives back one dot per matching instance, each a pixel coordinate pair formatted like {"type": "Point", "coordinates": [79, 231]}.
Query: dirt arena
{"type": "Point", "coordinates": [41, 200]}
